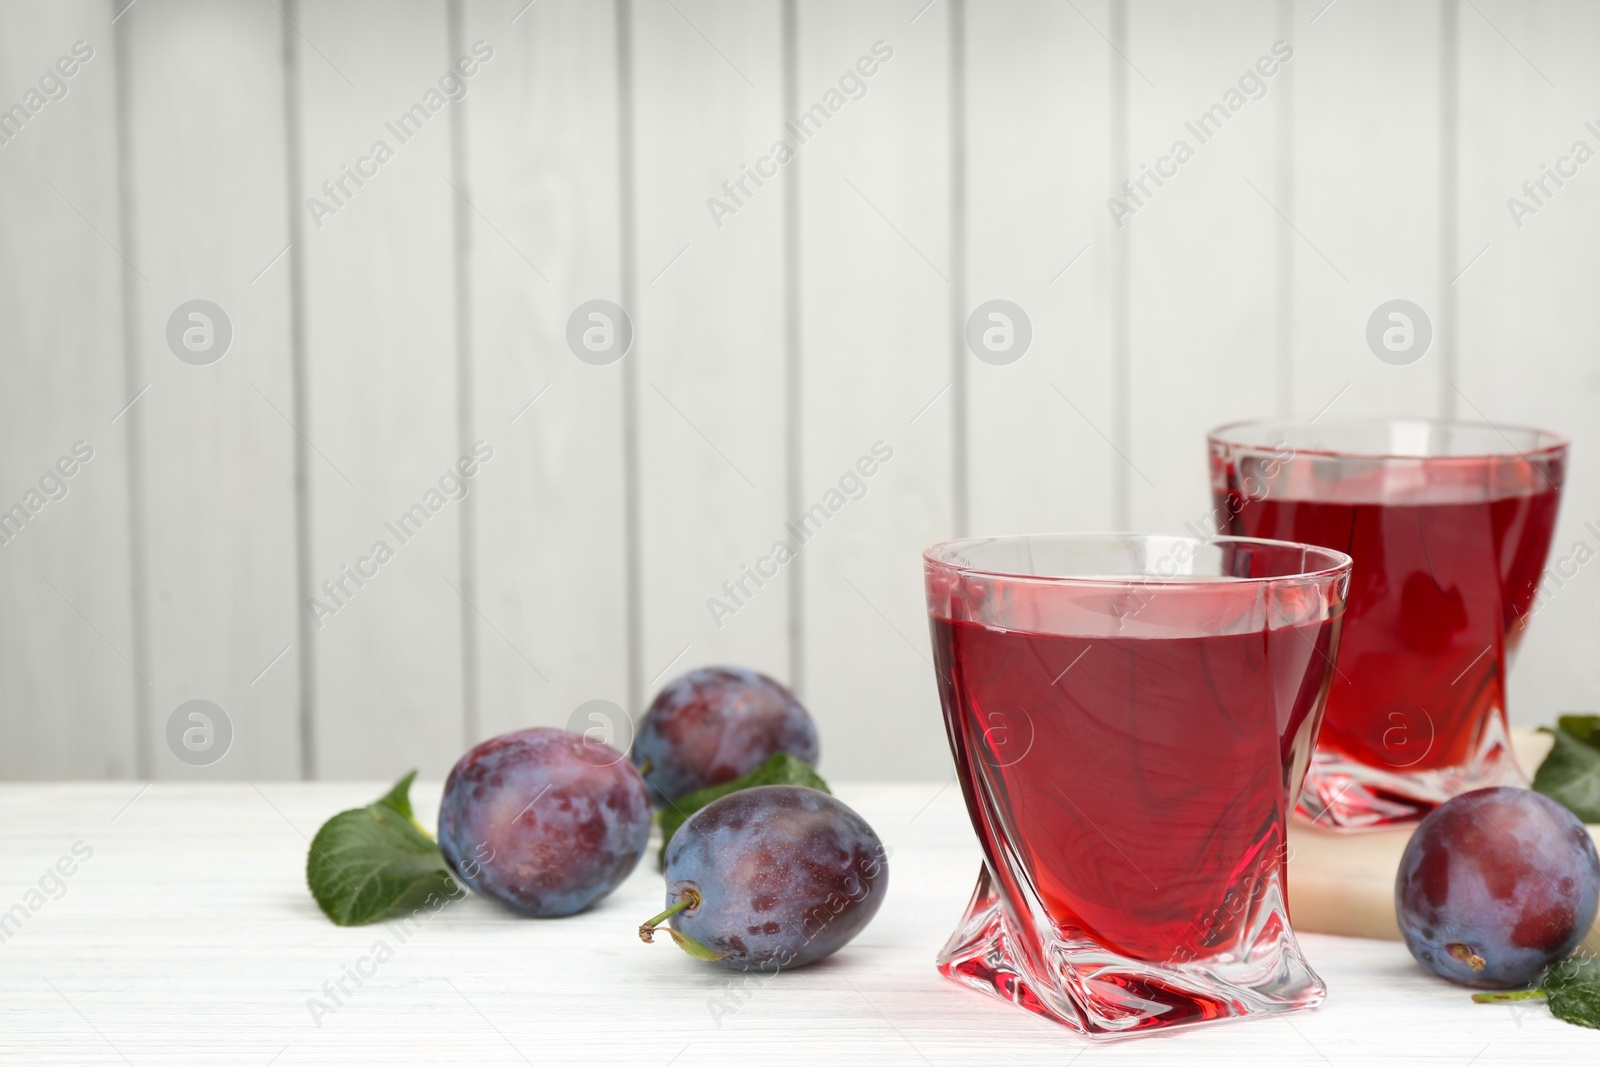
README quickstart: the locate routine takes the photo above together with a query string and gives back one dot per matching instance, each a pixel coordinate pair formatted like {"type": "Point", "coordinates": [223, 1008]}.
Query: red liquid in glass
{"type": "Point", "coordinates": [1435, 591]}
{"type": "Point", "coordinates": [1144, 790]}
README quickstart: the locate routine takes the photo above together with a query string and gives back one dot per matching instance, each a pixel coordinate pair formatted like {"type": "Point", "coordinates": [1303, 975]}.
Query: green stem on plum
{"type": "Point", "coordinates": [646, 766]}
{"type": "Point", "coordinates": [1501, 998]}
{"type": "Point", "coordinates": [647, 929]}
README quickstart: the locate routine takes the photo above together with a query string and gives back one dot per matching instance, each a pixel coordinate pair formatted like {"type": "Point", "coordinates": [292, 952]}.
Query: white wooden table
{"type": "Point", "coordinates": [188, 937]}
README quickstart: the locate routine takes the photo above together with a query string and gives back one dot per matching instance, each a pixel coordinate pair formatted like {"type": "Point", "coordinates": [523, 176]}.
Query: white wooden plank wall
{"type": "Point", "coordinates": [1201, 248]}
{"type": "Point", "coordinates": [708, 87]}
{"type": "Point", "coordinates": [1528, 351]}
{"type": "Point", "coordinates": [542, 163]}
{"type": "Point", "coordinates": [952, 153]}
{"type": "Point", "coordinates": [876, 291]}
{"type": "Point", "coordinates": [205, 167]}
{"type": "Point", "coordinates": [1039, 235]}
{"type": "Point", "coordinates": [70, 684]}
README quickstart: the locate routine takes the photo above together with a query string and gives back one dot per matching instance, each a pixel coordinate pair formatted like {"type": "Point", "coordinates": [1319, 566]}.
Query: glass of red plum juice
{"type": "Point", "coordinates": [1131, 718]}
{"type": "Point", "coordinates": [1449, 524]}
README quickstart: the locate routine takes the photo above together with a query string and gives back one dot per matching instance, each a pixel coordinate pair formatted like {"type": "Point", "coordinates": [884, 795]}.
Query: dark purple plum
{"type": "Point", "coordinates": [544, 821]}
{"type": "Point", "coordinates": [775, 876]}
{"type": "Point", "coordinates": [715, 724]}
{"type": "Point", "coordinates": [1496, 886]}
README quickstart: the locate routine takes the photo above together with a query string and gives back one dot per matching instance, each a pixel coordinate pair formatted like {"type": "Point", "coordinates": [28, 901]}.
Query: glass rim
{"type": "Point", "coordinates": [1339, 563]}
{"type": "Point", "coordinates": [1550, 443]}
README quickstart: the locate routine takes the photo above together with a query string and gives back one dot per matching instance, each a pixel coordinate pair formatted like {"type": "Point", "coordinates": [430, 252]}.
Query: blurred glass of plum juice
{"type": "Point", "coordinates": [1449, 525]}
{"type": "Point", "coordinates": [1130, 719]}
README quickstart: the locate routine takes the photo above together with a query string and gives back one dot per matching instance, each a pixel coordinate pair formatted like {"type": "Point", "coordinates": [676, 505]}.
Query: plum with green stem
{"type": "Point", "coordinates": [771, 878]}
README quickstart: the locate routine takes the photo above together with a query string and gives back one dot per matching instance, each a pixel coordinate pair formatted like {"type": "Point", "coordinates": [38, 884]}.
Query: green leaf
{"type": "Point", "coordinates": [1573, 991]}
{"type": "Point", "coordinates": [369, 863]}
{"type": "Point", "coordinates": [1570, 774]}
{"type": "Point", "coordinates": [1585, 728]}
{"type": "Point", "coordinates": [399, 798]}
{"type": "Point", "coordinates": [781, 769]}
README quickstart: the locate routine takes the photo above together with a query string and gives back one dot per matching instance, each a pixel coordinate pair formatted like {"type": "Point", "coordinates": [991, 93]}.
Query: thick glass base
{"type": "Point", "coordinates": [1101, 994]}
{"type": "Point", "coordinates": [1343, 794]}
